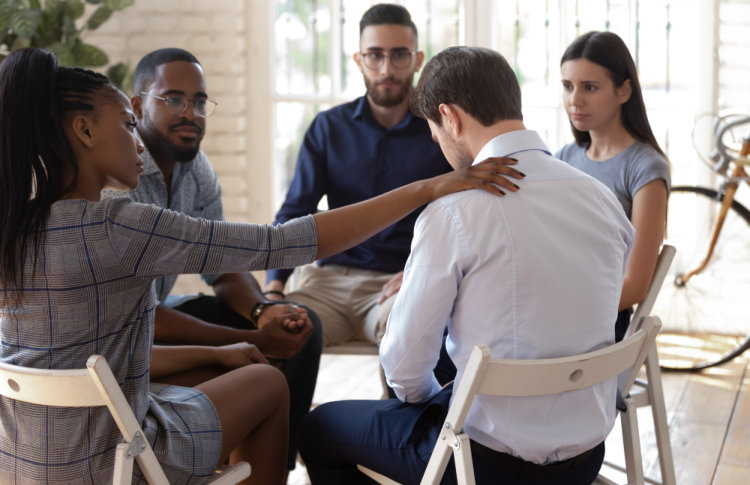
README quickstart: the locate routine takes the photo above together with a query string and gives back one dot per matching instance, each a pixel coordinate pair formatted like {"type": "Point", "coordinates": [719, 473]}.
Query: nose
{"type": "Point", "coordinates": [189, 112]}
{"type": "Point", "coordinates": [575, 97]}
{"type": "Point", "coordinates": [139, 146]}
{"type": "Point", "coordinates": [386, 67]}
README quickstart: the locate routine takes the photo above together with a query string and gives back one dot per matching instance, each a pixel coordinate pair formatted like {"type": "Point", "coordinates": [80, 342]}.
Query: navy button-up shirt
{"type": "Point", "coordinates": [349, 157]}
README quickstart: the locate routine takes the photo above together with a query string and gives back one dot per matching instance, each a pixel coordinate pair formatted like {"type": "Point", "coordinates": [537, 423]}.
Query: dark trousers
{"type": "Point", "coordinates": [396, 440]}
{"type": "Point", "coordinates": [301, 371]}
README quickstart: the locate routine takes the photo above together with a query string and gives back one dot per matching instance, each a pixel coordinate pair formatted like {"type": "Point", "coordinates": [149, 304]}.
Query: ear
{"type": "Point", "coordinates": [625, 91]}
{"type": "Point", "coordinates": [420, 60]}
{"type": "Point", "coordinates": [358, 59]}
{"type": "Point", "coordinates": [451, 119]}
{"type": "Point", "coordinates": [83, 130]}
{"type": "Point", "coordinates": [137, 103]}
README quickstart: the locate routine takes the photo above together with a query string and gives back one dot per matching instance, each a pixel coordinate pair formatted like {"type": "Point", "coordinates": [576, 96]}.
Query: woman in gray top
{"type": "Point", "coordinates": [615, 144]}
{"type": "Point", "coordinates": [76, 275]}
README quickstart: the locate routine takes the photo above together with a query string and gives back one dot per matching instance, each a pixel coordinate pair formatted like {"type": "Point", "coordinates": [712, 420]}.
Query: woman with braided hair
{"type": "Point", "coordinates": [76, 275]}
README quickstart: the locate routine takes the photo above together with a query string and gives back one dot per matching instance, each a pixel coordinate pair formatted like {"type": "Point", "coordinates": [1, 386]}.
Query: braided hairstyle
{"type": "Point", "coordinates": [36, 97]}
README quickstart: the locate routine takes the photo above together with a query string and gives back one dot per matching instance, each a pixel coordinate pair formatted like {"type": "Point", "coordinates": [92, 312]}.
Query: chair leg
{"type": "Point", "coordinates": [659, 412]}
{"type": "Point", "coordinates": [123, 474]}
{"type": "Point", "coordinates": [632, 443]}
{"type": "Point", "coordinates": [438, 461]}
{"type": "Point", "coordinates": [464, 463]}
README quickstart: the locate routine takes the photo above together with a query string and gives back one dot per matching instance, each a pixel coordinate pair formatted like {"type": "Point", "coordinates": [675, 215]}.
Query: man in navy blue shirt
{"type": "Point", "coordinates": [353, 152]}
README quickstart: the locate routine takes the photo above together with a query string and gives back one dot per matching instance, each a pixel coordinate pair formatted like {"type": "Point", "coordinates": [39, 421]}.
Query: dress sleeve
{"type": "Point", "coordinates": [150, 241]}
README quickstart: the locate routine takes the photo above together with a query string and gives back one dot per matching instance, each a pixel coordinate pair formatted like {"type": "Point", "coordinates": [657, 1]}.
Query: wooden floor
{"type": "Point", "coordinates": [708, 412]}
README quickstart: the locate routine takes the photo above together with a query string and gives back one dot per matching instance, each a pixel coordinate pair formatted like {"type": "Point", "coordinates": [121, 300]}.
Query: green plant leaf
{"type": "Point", "coordinates": [118, 4]}
{"type": "Point", "coordinates": [87, 55]}
{"type": "Point", "coordinates": [70, 33]}
{"type": "Point", "coordinates": [63, 52]}
{"type": "Point", "coordinates": [6, 10]}
{"type": "Point", "coordinates": [94, 2]}
{"type": "Point", "coordinates": [25, 22]}
{"type": "Point", "coordinates": [74, 8]}
{"type": "Point", "coordinates": [49, 30]}
{"type": "Point", "coordinates": [100, 15]}
{"type": "Point", "coordinates": [121, 76]}
{"type": "Point", "coordinates": [20, 42]}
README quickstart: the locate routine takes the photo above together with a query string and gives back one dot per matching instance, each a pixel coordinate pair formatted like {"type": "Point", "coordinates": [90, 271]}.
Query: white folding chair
{"type": "Point", "coordinates": [536, 377]}
{"type": "Point", "coordinates": [96, 386]}
{"type": "Point", "coordinates": [647, 393]}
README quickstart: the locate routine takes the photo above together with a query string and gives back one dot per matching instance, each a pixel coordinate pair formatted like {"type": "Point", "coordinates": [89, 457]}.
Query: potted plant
{"type": "Point", "coordinates": [60, 25]}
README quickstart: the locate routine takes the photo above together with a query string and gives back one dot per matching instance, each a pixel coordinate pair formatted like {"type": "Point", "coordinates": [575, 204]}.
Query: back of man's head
{"type": "Point", "coordinates": [479, 81]}
{"type": "Point", "coordinates": [144, 71]}
{"type": "Point", "coordinates": [386, 14]}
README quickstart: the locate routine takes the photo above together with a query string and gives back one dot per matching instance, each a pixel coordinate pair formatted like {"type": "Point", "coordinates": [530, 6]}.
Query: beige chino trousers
{"type": "Point", "coordinates": [345, 299]}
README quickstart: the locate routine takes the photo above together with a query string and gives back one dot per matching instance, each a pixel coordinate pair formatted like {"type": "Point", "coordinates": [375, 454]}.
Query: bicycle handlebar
{"type": "Point", "coordinates": [725, 154]}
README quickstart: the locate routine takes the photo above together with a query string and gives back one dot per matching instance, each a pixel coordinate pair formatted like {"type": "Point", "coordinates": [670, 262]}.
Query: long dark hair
{"type": "Point", "coordinates": [609, 51]}
{"type": "Point", "coordinates": [35, 97]}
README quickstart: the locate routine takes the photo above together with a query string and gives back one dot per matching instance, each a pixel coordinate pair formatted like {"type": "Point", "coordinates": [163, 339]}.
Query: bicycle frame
{"type": "Point", "coordinates": [728, 191]}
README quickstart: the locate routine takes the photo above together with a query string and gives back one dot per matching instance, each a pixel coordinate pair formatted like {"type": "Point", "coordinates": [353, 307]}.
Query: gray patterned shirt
{"type": "Point", "coordinates": [91, 292]}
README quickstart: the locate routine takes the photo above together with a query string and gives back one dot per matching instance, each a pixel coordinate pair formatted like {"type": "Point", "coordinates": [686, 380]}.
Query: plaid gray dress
{"type": "Point", "coordinates": [91, 292]}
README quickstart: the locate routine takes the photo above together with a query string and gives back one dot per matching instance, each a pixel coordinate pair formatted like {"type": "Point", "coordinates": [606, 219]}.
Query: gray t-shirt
{"type": "Point", "coordinates": [625, 173]}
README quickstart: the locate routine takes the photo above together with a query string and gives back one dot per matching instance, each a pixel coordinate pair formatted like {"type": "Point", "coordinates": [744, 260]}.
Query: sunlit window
{"type": "Point", "coordinates": [314, 41]}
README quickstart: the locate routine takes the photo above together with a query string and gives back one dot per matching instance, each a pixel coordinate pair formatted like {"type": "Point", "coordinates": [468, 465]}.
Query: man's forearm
{"type": "Point", "coordinates": [239, 291]}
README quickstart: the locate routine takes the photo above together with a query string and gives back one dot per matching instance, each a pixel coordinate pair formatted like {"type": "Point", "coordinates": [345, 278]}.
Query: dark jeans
{"type": "Point", "coordinates": [301, 371]}
{"type": "Point", "coordinates": [396, 440]}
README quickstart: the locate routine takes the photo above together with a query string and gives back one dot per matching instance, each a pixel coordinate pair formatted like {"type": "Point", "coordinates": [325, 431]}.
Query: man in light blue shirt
{"type": "Point", "coordinates": [536, 274]}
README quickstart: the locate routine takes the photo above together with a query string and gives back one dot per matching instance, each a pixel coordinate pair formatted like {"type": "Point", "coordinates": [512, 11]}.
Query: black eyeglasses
{"type": "Point", "coordinates": [399, 58]}
{"type": "Point", "coordinates": [177, 104]}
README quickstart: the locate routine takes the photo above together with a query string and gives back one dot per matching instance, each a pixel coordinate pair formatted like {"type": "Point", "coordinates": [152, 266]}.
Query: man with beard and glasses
{"type": "Point", "coordinates": [171, 104]}
{"type": "Point", "coordinates": [353, 152]}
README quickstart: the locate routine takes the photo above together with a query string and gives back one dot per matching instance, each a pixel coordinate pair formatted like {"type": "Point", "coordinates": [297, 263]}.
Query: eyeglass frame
{"type": "Point", "coordinates": [185, 105]}
{"type": "Point", "coordinates": [383, 56]}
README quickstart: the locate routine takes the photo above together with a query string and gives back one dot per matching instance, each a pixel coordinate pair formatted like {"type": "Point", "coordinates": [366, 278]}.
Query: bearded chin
{"type": "Point", "coordinates": [387, 100]}
{"type": "Point", "coordinates": [182, 154]}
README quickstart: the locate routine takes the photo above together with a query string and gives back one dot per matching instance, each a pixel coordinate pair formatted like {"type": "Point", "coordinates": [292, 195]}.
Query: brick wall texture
{"type": "Point", "coordinates": [215, 32]}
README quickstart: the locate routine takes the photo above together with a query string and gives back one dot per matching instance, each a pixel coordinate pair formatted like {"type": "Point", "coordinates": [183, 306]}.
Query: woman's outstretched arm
{"type": "Point", "coordinates": [342, 228]}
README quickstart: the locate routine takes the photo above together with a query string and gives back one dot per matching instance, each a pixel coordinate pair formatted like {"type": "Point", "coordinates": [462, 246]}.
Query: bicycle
{"type": "Point", "coordinates": [711, 231]}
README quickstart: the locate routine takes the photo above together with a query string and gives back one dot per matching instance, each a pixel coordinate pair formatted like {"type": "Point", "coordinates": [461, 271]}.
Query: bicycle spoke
{"type": "Point", "coordinates": [714, 300]}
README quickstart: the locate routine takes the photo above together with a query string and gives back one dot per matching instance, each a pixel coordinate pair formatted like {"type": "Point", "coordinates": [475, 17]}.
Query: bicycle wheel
{"type": "Point", "coordinates": [713, 301]}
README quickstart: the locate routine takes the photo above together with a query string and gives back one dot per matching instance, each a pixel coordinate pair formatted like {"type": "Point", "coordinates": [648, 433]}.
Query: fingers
{"type": "Point", "coordinates": [495, 171]}
{"type": "Point", "coordinates": [257, 357]}
{"type": "Point", "coordinates": [502, 165]}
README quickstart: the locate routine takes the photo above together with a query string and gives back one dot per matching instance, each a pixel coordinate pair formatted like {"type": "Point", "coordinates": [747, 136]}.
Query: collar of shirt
{"type": "Point", "coordinates": [510, 143]}
{"type": "Point", "coordinates": [149, 165]}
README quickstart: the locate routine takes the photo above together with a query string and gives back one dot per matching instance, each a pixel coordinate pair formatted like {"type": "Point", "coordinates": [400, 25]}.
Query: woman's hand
{"type": "Point", "coordinates": [342, 228]}
{"type": "Point", "coordinates": [487, 175]}
{"type": "Point", "coordinates": [239, 355]}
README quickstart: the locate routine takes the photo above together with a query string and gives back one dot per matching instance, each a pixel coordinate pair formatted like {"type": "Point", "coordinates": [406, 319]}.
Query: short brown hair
{"type": "Point", "coordinates": [386, 14]}
{"type": "Point", "coordinates": [479, 81]}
